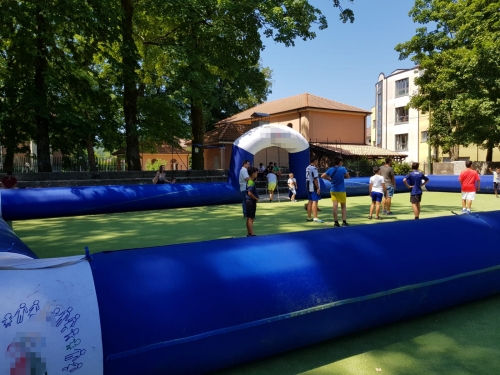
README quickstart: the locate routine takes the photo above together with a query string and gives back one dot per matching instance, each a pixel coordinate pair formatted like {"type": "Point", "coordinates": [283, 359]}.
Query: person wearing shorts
{"type": "Point", "coordinates": [252, 198]}
{"type": "Point", "coordinates": [243, 178]}
{"type": "Point", "coordinates": [470, 181]}
{"type": "Point", "coordinates": [377, 190]}
{"type": "Point", "coordinates": [271, 184]}
{"type": "Point", "coordinates": [413, 181]}
{"type": "Point", "coordinates": [313, 191]}
{"type": "Point", "coordinates": [336, 176]}
{"type": "Point", "coordinates": [387, 173]}
{"type": "Point", "coordinates": [292, 186]}
{"type": "Point", "coordinates": [496, 180]}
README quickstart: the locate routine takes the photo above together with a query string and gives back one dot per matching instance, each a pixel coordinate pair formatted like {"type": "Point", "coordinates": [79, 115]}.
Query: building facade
{"type": "Point", "coordinates": [397, 127]}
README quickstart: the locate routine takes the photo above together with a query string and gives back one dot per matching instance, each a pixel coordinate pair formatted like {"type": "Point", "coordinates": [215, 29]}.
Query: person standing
{"type": "Point", "coordinates": [413, 181]}
{"type": "Point", "coordinates": [496, 180]}
{"type": "Point", "coordinates": [377, 190]}
{"type": "Point", "coordinates": [243, 178]}
{"type": "Point", "coordinates": [260, 172]}
{"type": "Point", "coordinates": [336, 175]}
{"type": "Point", "coordinates": [251, 200]}
{"type": "Point", "coordinates": [271, 184]}
{"type": "Point", "coordinates": [313, 191]}
{"type": "Point", "coordinates": [292, 186]}
{"type": "Point", "coordinates": [387, 173]}
{"type": "Point", "coordinates": [468, 179]}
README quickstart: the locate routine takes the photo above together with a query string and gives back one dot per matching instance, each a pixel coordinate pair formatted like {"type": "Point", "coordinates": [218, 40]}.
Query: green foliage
{"type": "Point", "coordinates": [401, 169]}
{"type": "Point", "coordinates": [460, 60]}
{"type": "Point", "coordinates": [150, 166]}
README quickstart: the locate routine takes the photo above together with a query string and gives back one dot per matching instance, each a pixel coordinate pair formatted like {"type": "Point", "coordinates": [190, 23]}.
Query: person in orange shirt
{"type": "Point", "coordinates": [471, 182]}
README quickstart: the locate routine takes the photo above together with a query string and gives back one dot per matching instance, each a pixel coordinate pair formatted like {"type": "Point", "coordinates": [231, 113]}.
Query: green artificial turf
{"type": "Point", "coordinates": [460, 340]}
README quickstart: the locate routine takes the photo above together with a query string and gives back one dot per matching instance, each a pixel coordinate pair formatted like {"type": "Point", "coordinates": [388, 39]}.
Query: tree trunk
{"type": "Point", "coordinates": [489, 153]}
{"type": "Point", "coordinates": [130, 92]}
{"type": "Point", "coordinates": [91, 155]}
{"type": "Point", "coordinates": [198, 128]}
{"type": "Point", "coordinates": [8, 164]}
{"type": "Point", "coordinates": [454, 153]}
{"type": "Point", "coordinates": [41, 110]}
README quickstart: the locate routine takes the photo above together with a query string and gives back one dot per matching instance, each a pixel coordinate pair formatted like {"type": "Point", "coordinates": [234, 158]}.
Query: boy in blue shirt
{"type": "Point", "coordinates": [414, 182]}
{"type": "Point", "coordinates": [252, 199]}
{"type": "Point", "coordinates": [336, 176]}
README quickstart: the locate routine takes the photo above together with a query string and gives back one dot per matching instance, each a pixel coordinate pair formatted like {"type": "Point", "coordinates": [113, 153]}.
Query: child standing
{"type": "Point", "coordinates": [271, 184]}
{"type": "Point", "coordinates": [292, 186]}
{"type": "Point", "coordinates": [414, 182]}
{"type": "Point", "coordinates": [377, 191]}
{"type": "Point", "coordinates": [496, 180]}
{"type": "Point", "coordinates": [252, 199]}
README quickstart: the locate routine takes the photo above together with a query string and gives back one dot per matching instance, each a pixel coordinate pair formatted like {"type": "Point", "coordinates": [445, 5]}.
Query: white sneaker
{"type": "Point", "coordinates": [316, 220]}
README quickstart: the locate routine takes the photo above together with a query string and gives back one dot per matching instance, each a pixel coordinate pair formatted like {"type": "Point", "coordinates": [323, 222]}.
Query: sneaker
{"type": "Point", "coordinates": [345, 224]}
{"type": "Point", "coordinates": [389, 213]}
{"type": "Point", "coordinates": [251, 235]}
{"type": "Point", "coordinates": [378, 218]}
{"type": "Point", "coordinates": [384, 212]}
{"type": "Point", "coordinates": [369, 217]}
{"type": "Point", "coordinates": [464, 211]}
{"type": "Point", "coordinates": [309, 220]}
{"type": "Point", "coordinates": [316, 220]}
{"type": "Point", "coordinates": [469, 212]}
{"type": "Point", "coordinates": [336, 224]}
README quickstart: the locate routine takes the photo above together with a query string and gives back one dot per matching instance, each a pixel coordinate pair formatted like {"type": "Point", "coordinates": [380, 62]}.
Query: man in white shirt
{"type": "Point", "coordinates": [243, 185]}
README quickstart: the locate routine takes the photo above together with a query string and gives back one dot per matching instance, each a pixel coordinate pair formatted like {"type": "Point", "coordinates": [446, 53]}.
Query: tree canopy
{"type": "Point", "coordinates": [459, 55]}
{"type": "Point", "coordinates": [76, 74]}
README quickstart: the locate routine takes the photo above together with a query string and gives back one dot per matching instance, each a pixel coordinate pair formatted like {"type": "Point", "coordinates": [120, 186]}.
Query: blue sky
{"type": "Point", "coordinates": [344, 61]}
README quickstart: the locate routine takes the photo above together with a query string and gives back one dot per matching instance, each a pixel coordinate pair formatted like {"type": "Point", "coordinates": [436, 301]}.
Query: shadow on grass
{"type": "Point", "coordinates": [431, 344]}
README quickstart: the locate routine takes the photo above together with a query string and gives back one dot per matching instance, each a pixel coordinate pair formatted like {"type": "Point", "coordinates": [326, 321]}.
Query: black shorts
{"type": "Point", "coordinates": [251, 208]}
{"type": "Point", "coordinates": [416, 198]}
{"type": "Point", "coordinates": [495, 185]}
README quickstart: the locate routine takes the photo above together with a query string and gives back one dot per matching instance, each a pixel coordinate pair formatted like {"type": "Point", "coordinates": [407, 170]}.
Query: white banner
{"type": "Point", "coordinates": [49, 317]}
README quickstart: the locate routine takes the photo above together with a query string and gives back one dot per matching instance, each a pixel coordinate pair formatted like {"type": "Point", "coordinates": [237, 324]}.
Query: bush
{"type": "Point", "coordinates": [401, 169]}
{"type": "Point", "coordinates": [155, 165]}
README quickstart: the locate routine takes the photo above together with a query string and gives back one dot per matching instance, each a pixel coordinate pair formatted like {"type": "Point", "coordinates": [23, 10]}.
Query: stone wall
{"type": "Point", "coordinates": [55, 179]}
{"type": "Point", "coordinates": [454, 168]}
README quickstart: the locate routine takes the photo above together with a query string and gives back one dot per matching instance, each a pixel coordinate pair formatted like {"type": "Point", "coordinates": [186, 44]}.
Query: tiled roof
{"type": "Point", "coordinates": [227, 132]}
{"type": "Point", "coordinates": [294, 103]}
{"type": "Point", "coordinates": [359, 150]}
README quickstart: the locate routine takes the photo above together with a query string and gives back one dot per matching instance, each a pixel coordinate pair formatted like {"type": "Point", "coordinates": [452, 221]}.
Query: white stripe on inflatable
{"type": "Point", "coordinates": [49, 317]}
{"type": "Point", "coordinates": [270, 135]}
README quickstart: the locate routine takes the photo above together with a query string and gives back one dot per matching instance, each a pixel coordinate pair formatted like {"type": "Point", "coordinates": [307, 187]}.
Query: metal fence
{"type": "Point", "coordinates": [25, 164]}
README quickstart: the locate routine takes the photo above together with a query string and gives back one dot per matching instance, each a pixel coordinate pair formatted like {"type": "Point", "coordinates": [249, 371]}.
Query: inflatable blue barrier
{"type": "Point", "coordinates": [199, 307]}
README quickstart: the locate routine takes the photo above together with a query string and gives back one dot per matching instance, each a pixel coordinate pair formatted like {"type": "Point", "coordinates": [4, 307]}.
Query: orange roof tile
{"type": "Point", "coordinates": [359, 150]}
{"type": "Point", "coordinates": [293, 103]}
{"type": "Point", "coordinates": [227, 132]}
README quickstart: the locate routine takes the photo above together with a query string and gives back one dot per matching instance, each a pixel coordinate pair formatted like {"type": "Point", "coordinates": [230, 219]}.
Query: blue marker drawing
{"type": "Point", "coordinates": [70, 323]}
{"type": "Point", "coordinates": [7, 320]}
{"type": "Point", "coordinates": [72, 367]}
{"type": "Point", "coordinates": [73, 344]}
{"type": "Point", "coordinates": [75, 355]}
{"type": "Point", "coordinates": [56, 311]}
{"type": "Point", "coordinates": [72, 334]}
{"type": "Point", "coordinates": [20, 313]}
{"type": "Point", "coordinates": [64, 316]}
{"type": "Point", "coordinates": [34, 309]}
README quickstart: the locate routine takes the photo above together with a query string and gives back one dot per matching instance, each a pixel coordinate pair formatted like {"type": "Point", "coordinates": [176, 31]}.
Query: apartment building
{"type": "Point", "coordinates": [399, 128]}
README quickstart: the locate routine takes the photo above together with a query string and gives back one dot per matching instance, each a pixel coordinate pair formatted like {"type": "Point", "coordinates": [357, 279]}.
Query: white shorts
{"type": "Point", "coordinates": [468, 195]}
{"type": "Point", "coordinates": [292, 190]}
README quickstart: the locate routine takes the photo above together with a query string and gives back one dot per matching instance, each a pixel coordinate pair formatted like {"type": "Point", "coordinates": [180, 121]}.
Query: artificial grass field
{"type": "Point", "coordinates": [460, 340]}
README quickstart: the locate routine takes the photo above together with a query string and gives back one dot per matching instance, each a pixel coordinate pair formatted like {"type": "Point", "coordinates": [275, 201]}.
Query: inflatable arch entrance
{"type": "Point", "coordinates": [246, 146]}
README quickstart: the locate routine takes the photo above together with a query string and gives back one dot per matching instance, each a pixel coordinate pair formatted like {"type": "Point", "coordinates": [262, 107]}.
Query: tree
{"type": "Point", "coordinates": [45, 47]}
{"type": "Point", "coordinates": [460, 59]}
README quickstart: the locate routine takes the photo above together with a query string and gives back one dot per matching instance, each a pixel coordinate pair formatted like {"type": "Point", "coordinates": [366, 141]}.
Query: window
{"type": "Point", "coordinates": [402, 87]}
{"type": "Point", "coordinates": [402, 142]}
{"type": "Point", "coordinates": [423, 136]}
{"type": "Point", "coordinates": [401, 115]}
